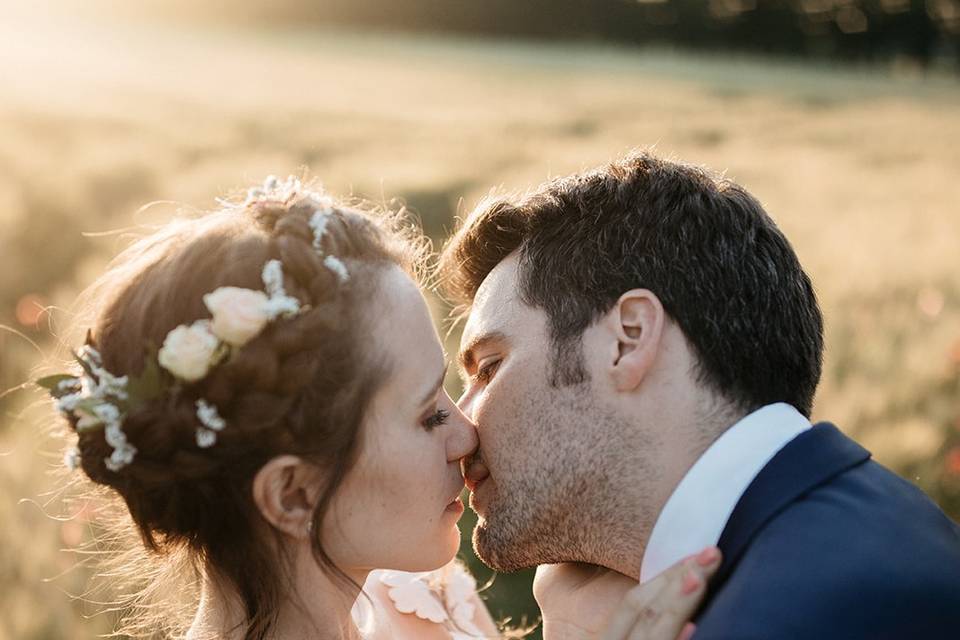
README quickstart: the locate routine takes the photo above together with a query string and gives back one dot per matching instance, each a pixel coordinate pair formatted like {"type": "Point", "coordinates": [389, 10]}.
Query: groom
{"type": "Point", "coordinates": [641, 355]}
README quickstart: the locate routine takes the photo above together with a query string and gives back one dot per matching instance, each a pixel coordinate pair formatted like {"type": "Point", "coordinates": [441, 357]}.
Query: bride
{"type": "Point", "coordinates": [262, 387]}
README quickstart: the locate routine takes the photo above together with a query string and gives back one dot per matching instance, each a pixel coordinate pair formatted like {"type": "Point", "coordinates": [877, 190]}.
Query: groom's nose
{"type": "Point", "coordinates": [463, 439]}
{"type": "Point", "coordinates": [465, 403]}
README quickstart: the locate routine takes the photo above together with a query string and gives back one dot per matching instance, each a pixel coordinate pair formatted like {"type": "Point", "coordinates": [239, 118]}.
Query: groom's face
{"type": "Point", "coordinates": [538, 443]}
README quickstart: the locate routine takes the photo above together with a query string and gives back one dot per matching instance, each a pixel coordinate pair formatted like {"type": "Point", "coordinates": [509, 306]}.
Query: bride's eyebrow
{"type": "Point", "coordinates": [433, 390]}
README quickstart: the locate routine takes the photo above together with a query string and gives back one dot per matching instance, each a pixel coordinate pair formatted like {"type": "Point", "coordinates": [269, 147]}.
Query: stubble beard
{"type": "Point", "coordinates": [560, 506]}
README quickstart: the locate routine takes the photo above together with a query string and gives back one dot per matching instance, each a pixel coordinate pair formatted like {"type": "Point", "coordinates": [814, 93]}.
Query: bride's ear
{"type": "Point", "coordinates": [636, 322]}
{"type": "Point", "coordinates": [286, 490]}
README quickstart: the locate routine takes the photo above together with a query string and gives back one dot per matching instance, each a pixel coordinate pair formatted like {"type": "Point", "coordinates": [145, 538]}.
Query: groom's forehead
{"type": "Point", "coordinates": [494, 307]}
{"type": "Point", "coordinates": [497, 293]}
{"type": "Point", "coordinates": [489, 318]}
{"type": "Point", "coordinates": [498, 290]}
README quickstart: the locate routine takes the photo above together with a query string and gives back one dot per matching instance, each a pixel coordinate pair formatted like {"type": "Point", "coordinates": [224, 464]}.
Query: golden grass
{"type": "Point", "coordinates": [859, 169]}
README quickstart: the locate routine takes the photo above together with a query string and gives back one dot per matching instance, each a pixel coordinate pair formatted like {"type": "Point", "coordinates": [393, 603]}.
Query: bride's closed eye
{"type": "Point", "coordinates": [435, 419]}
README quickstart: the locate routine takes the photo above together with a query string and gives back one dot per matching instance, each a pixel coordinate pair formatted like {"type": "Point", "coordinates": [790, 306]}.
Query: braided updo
{"type": "Point", "coordinates": [299, 387]}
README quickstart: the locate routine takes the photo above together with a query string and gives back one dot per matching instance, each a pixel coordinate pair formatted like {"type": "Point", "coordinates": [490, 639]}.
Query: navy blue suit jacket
{"type": "Point", "coordinates": [826, 543]}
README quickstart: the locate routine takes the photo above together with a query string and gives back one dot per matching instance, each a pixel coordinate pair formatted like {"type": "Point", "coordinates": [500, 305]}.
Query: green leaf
{"type": "Point", "coordinates": [52, 383]}
{"type": "Point", "coordinates": [87, 405]}
{"type": "Point", "coordinates": [83, 364]}
{"type": "Point", "coordinates": [147, 386]}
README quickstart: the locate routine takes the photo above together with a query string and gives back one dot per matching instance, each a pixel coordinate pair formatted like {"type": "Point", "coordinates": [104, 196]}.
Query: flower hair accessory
{"type": "Point", "coordinates": [99, 399]}
{"type": "Point", "coordinates": [211, 421]}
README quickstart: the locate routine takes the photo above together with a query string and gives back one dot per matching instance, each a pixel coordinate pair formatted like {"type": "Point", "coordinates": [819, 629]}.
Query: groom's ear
{"type": "Point", "coordinates": [636, 321]}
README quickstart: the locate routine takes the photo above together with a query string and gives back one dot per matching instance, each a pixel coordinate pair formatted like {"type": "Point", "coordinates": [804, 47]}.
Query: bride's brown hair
{"type": "Point", "coordinates": [300, 387]}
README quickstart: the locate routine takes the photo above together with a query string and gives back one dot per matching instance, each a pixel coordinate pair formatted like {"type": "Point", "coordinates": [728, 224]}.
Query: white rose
{"type": "Point", "coordinates": [238, 314]}
{"type": "Point", "coordinates": [188, 352]}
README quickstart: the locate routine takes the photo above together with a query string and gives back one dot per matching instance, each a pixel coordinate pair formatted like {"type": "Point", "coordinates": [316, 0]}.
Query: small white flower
{"type": "Point", "coordinates": [123, 451]}
{"type": "Point", "coordinates": [209, 416]}
{"type": "Point", "coordinates": [212, 423]}
{"type": "Point", "coordinates": [206, 438]}
{"type": "Point", "coordinates": [336, 265]}
{"type": "Point", "coordinates": [90, 356]}
{"type": "Point", "coordinates": [121, 457]}
{"type": "Point", "coordinates": [272, 276]}
{"type": "Point", "coordinates": [114, 435]}
{"type": "Point", "coordinates": [318, 222]}
{"type": "Point", "coordinates": [290, 187]}
{"type": "Point", "coordinates": [108, 384]}
{"type": "Point", "coordinates": [68, 402]}
{"type": "Point", "coordinates": [69, 384]}
{"type": "Point", "coordinates": [279, 304]}
{"type": "Point", "coordinates": [71, 459]}
{"type": "Point", "coordinates": [238, 314]}
{"type": "Point", "coordinates": [107, 414]}
{"type": "Point", "coordinates": [189, 351]}
{"type": "Point", "coordinates": [253, 196]}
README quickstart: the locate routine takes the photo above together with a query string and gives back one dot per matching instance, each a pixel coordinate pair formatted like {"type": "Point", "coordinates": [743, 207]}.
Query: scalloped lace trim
{"type": "Point", "coordinates": [443, 596]}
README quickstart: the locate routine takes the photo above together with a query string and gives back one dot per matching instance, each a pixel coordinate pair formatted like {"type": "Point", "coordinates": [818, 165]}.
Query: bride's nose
{"type": "Point", "coordinates": [462, 438]}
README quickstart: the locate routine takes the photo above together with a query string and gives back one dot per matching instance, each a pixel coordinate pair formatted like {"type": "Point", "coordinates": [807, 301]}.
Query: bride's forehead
{"type": "Point", "coordinates": [403, 325]}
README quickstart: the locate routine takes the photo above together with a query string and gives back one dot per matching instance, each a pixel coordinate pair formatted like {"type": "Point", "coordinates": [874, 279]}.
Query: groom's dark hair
{"type": "Point", "coordinates": [718, 263]}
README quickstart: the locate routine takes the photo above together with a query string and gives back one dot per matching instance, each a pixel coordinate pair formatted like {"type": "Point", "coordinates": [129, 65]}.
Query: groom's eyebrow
{"type": "Point", "coordinates": [467, 358]}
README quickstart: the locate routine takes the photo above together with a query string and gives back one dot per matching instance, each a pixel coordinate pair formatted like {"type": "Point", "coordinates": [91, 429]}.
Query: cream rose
{"type": "Point", "coordinates": [238, 314]}
{"type": "Point", "coordinates": [188, 352]}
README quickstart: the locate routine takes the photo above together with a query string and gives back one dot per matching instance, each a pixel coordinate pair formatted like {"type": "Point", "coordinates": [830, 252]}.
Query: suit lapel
{"type": "Point", "coordinates": [809, 460]}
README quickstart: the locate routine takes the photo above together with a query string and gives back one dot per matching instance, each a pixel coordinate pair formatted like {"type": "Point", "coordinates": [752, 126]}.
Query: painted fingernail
{"type": "Point", "coordinates": [687, 632]}
{"type": "Point", "coordinates": [691, 582]}
{"type": "Point", "coordinates": [708, 556]}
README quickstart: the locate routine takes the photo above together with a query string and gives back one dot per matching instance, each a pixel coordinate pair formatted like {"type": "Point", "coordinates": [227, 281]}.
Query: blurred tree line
{"type": "Point", "coordinates": [924, 33]}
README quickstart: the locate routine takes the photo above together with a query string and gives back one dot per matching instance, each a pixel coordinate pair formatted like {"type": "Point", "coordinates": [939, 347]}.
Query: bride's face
{"type": "Point", "coordinates": [399, 505]}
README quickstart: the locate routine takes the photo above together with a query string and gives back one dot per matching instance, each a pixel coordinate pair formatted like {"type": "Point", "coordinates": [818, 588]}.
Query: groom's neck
{"type": "Point", "coordinates": [668, 443]}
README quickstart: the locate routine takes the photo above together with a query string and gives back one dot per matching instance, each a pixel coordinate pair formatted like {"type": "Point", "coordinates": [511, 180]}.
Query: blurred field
{"type": "Point", "coordinates": [859, 169]}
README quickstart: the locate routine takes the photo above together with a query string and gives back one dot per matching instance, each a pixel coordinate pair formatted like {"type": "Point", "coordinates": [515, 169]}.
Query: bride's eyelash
{"type": "Point", "coordinates": [438, 418]}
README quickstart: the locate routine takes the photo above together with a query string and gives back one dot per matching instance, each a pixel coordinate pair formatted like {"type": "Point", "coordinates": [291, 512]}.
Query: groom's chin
{"type": "Point", "coordinates": [497, 551]}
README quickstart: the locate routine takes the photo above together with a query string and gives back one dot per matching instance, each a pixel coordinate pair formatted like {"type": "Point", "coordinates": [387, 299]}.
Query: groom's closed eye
{"type": "Point", "coordinates": [474, 363]}
{"type": "Point", "coordinates": [485, 371]}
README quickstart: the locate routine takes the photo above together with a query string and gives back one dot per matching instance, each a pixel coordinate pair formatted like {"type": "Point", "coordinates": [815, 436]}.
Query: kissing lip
{"type": "Point", "coordinates": [456, 496]}
{"type": "Point", "coordinates": [475, 472]}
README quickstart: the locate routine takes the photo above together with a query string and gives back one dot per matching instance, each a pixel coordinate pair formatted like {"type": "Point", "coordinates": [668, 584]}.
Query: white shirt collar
{"type": "Point", "coordinates": [698, 510]}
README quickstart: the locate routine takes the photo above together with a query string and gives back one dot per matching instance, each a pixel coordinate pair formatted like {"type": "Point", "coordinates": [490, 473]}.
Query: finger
{"type": "Point", "coordinates": [663, 618]}
{"type": "Point", "coordinates": [659, 609]}
{"type": "Point", "coordinates": [678, 608]}
{"type": "Point", "coordinates": [687, 632]}
{"type": "Point", "coordinates": [633, 606]}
